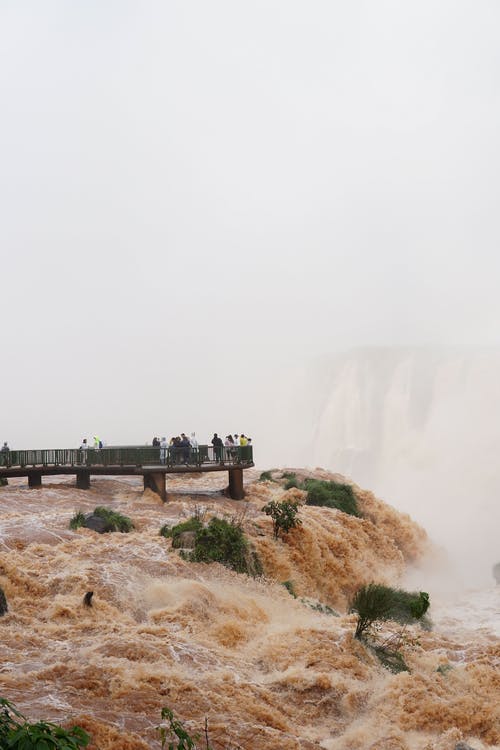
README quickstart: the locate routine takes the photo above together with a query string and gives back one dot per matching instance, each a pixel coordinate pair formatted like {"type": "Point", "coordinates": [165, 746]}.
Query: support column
{"type": "Point", "coordinates": [235, 489]}
{"type": "Point", "coordinates": [83, 479]}
{"type": "Point", "coordinates": [34, 480]}
{"type": "Point", "coordinates": [155, 481]}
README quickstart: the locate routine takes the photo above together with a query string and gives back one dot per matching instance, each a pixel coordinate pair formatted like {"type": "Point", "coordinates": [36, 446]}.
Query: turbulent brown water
{"type": "Point", "coordinates": [268, 670]}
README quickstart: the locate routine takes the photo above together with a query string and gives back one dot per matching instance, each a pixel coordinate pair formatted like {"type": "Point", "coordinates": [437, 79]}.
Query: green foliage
{"type": "Point", "coordinates": [166, 531]}
{"type": "Point", "coordinates": [4, 481]}
{"type": "Point", "coordinates": [77, 520]}
{"type": "Point", "coordinates": [225, 543]}
{"type": "Point", "coordinates": [444, 668]}
{"type": "Point", "coordinates": [192, 524]}
{"type": "Point", "coordinates": [376, 602]}
{"type": "Point", "coordinates": [284, 516]}
{"type": "Point", "coordinates": [331, 495]}
{"type": "Point", "coordinates": [266, 476]}
{"type": "Point", "coordinates": [290, 588]}
{"type": "Point", "coordinates": [16, 733]}
{"type": "Point", "coordinates": [391, 659]}
{"type": "Point", "coordinates": [114, 520]}
{"type": "Point", "coordinates": [319, 607]}
{"type": "Point", "coordinates": [291, 480]}
{"type": "Point", "coordinates": [177, 737]}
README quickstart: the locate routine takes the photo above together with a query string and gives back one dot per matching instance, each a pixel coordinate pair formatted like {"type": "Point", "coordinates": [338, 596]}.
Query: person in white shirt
{"type": "Point", "coordinates": [84, 448]}
{"type": "Point", "coordinates": [163, 449]}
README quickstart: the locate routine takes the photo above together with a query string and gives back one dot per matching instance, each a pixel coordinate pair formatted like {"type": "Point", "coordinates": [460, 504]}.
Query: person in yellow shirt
{"type": "Point", "coordinates": [243, 440]}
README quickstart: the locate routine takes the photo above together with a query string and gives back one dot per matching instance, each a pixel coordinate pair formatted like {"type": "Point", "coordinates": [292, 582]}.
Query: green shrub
{"type": "Point", "coordinates": [225, 543]}
{"type": "Point", "coordinates": [116, 521]}
{"type": "Point", "coordinates": [290, 588]}
{"type": "Point", "coordinates": [319, 607]}
{"type": "Point", "coordinates": [444, 668]}
{"type": "Point", "coordinates": [284, 516]}
{"type": "Point", "coordinates": [376, 602]}
{"type": "Point", "coordinates": [77, 520]}
{"type": "Point", "coordinates": [291, 480]}
{"type": "Point", "coordinates": [266, 476]}
{"type": "Point", "coordinates": [16, 733]}
{"type": "Point", "coordinates": [390, 659]}
{"type": "Point", "coordinates": [331, 495]}
{"type": "Point", "coordinates": [166, 531]}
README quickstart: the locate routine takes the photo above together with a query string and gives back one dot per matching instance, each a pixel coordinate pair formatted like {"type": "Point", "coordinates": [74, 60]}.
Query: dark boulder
{"type": "Point", "coordinates": [3, 603]}
{"type": "Point", "coordinates": [96, 523]}
{"type": "Point", "coordinates": [4, 481]}
{"type": "Point", "coordinates": [463, 746]}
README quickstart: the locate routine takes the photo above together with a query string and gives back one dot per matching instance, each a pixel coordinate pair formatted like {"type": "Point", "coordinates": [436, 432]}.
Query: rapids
{"type": "Point", "coordinates": [268, 670]}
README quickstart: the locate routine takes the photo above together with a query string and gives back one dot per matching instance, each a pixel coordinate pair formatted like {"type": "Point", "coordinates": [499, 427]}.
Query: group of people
{"type": "Point", "coordinates": [179, 449]}
{"type": "Point", "coordinates": [229, 445]}
{"type": "Point", "coordinates": [97, 444]}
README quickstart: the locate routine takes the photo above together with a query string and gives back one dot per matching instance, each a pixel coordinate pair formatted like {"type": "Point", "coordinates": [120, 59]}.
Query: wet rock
{"type": "Point", "coordinates": [184, 540]}
{"type": "Point", "coordinates": [496, 572]}
{"type": "Point", "coordinates": [463, 746]}
{"type": "Point", "coordinates": [4, 481]}
{"type": "Point", "coordinates": [96, 523]}
{"type": "Point", "coordinates": [3, 603]}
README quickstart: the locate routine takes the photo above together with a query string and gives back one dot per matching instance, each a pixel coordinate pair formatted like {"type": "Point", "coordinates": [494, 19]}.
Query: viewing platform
{"type": "Point", "coordinates": [153, 464]}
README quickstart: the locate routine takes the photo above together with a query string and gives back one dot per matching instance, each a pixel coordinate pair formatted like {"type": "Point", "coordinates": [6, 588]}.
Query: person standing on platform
{"type": "Point", "coordinates": [218, 447]}
{"type": "Point", "coordinates": [163, 450]}
{"type": "Point", "coordinates": [84, 448]}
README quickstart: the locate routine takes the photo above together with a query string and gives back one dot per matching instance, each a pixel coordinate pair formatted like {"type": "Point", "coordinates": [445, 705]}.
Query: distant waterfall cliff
{"type": "Point", "coordinates": [422, 428]}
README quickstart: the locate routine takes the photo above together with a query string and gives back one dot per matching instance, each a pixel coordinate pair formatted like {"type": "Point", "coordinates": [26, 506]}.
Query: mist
{"type": "Point", "coordinates": [201, 202]}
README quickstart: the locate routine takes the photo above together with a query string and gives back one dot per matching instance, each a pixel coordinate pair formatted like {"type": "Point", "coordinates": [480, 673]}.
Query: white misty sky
{"type": "Point", "coordinates": [196, 194]}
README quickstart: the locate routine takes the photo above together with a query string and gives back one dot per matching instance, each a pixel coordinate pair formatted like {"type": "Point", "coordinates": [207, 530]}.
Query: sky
{"type": "Point", "coordinates": [198, 198]}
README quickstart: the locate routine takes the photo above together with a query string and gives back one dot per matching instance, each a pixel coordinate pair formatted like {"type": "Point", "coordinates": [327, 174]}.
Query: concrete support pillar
{"type": "Point", "coordinates": [83, 479]}
{"type": "Point", "coordinates": [155, 480]}
{"type": "Point", "coordinates": [235, 489]}
{"type": "Point", "coordinates": [34, 480]}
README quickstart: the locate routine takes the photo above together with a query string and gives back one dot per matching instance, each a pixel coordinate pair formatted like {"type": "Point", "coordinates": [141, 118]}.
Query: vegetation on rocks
{"type": "Point", "coordinates": [375, 604]}
{"type": "Point", "coordinates": [16, 733]}
{"type": "Point", "coordinates": [324, 493]}
{"type": "Point", "coordinates": [113, 521]}
{"type": "Point", "coordinates": [291, 480]}
{"type": "Point", "coordinates": [266, 476]}
{"type": "Point", "coordinates": [284, 516]}
{"type": "Point", "coordinates": [4, 481]}
{"type": "Point", "coordinates": [192, 524]}
{"type": "Point", "coordinates": [331, 495]}
{"type": "Point", "coordinates": [224, 542]}
{"type": "Point", "coordinates": [290, 588]}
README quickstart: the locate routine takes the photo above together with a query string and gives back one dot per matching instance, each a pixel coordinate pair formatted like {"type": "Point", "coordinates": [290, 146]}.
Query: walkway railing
{"type": "Point", "coordinates": [129, 456]}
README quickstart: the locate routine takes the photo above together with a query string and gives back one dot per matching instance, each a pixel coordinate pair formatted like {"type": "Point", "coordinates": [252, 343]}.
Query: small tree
{"type": "Point", "coordinates": [175, 734]}
{"type": "Point", "coordinates": [284, 516]}
{"type": "Point", "coordinates": [379, 603]}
